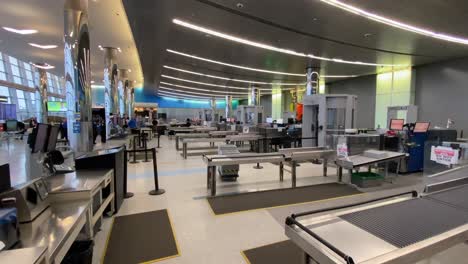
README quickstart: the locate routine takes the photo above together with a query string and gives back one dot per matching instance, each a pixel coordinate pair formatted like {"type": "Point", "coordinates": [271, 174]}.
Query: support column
{"type": "Point", "coordinates": [213, 110]}
{"type": "Point", "coordinates": [78, 75]}
{"type": "Point", "coordinates": [123, 78]}
{"type": "Point", "coordinates": [313, 79]}
{"type": "Point", "coordinates": [110, 72]}
{"type": "Point", "coordinates": [132, 102]}
{"type": "Point", "coordinates": [41, 85]}
{"type": "Point", "coordinates": [228, 112]}
{"type": "Point", "coordinates": [254, 95]}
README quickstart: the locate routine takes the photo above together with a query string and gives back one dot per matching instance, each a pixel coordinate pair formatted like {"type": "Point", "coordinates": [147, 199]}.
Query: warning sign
{"type": "Point", "coordinates": [342, 150]}
{"type": "Point", "coordinates": [444, 155]}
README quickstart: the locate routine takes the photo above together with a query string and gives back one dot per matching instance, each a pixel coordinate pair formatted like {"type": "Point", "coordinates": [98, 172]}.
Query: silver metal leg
{"type": "Point", "coordinates": [281, 168]}
{"type": "Point", "coordinates": [340, 173]}
{"type": "Point", "coordinates": [213, 180]}
{"type": "Point", "coordinates": [184, 150]}
{"type": "Point", "coordinates": [208, 177]}
{"type": "Point", "coordinates": [293, 173]}
{"type": "Point", "coordinates": [325, 167]}
{"type": "Point", "coordinates": [177, 143]}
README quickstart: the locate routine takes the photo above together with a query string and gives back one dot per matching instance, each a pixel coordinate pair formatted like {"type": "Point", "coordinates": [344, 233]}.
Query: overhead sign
{"type": "Point", "coordinates": [444, 155]}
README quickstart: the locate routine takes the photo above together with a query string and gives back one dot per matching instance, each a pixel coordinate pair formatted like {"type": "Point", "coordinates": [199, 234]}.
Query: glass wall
{"type": "Point", "coordinates": [17, 84]}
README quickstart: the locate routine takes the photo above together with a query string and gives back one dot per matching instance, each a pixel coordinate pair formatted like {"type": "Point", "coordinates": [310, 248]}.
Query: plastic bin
{"type": "Point", "coordinates": [366, 179]}
{"type": "Point", "coordinates": [81, 252]}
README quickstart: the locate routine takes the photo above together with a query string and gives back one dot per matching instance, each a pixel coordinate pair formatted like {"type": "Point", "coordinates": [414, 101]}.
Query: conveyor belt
{"type": "Point", "coordinates": [457, 197]}
{"type": "Point", "coordinates": [408, 222]}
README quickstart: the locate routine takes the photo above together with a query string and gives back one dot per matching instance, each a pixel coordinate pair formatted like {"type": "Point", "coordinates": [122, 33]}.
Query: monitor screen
{"type": "Point", "coordinates": [397, 124]}
{"type": "Point", "coordinates": [269, 120]}
{"type": "Point", "coordinates": [53, 135]}
{"type": "Point", "coordinates": [41, 137]}
{"type": "Point", "coordinates": [421, 127]}
{"type": "Point", "coordinates": [57, 106]}
{"type": "Point", "coordinates": [279, 121]}
{"type": "Point", "coordinates": [12, 125]}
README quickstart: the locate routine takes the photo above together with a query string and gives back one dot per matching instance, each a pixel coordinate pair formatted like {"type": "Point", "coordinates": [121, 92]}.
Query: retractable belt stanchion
{"type": "Point", "coordinates": [134, 147]}
{"type": "Point", "coordinates": [156, 190]}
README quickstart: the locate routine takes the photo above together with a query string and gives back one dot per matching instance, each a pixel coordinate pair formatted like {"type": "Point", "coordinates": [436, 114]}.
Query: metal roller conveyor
{"type": "Point", "coordinates": [212, 161]}
{"type": "Point", "coordinates": [393, 229]}
{"type": "Point", "coordinates": [297, 155]}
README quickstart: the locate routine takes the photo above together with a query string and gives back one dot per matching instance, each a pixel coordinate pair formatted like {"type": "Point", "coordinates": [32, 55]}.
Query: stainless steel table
{"type": "Point", "coordinates": [56, 228]}
{"type": "Point", "coordinates": [247, 158]}
{"type": "Point", "coordinates": [182, 136]}
{"type": "Point", "coordinates": [357, 161]}
{"type": "Point", "coordinates": [34, 255]}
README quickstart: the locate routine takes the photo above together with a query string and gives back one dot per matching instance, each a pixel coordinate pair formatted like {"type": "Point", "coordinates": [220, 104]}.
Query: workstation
{"type": "Point", "coordinates": [250, 132]}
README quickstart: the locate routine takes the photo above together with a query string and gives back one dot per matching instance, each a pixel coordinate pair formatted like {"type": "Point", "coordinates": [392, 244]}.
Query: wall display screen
{"type": "Point", "coordinates": [397, 124]}
{"type": "Point", "coordinates": [57, 106]}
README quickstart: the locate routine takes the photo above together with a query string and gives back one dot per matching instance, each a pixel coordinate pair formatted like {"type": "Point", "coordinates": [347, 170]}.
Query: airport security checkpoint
{"type": "Point", "coordinates": [243, 132]}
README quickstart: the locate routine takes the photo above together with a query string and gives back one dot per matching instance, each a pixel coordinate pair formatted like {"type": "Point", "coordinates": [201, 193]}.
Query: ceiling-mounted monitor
{"type": "Point", "coordinates": [57, 106]}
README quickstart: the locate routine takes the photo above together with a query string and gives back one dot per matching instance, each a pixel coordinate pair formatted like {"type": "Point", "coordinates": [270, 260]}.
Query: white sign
{"type": "Point", "coordinates": [444, 155]}
{"type": "Point", "coordinates": [342, 150]}
{"type": "Point", "coordinates": [245, 129]}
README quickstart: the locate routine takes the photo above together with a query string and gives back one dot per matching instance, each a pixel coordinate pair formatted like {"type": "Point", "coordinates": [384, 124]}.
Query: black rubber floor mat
{"type": "Point", "coordinates": [277, 253]}
{"type": "Point", "coordinates": [457, 197]}
{"type": "Point", "coordinates": [140, 238]}
{"type": "Point", "coordinates": [408, 222]}
{"type": "Point", "coordinates": [267, 199]}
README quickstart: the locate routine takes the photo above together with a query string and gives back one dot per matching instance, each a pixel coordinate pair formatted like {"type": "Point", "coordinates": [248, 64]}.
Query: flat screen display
{"type": "Point", "coordinates": [11, 125]}
{"type": "Point", "coordinates": [397, 124]}
{"type": "Point", "coordinates": [53, 135]}
{"type": "Point", "coordinates": [5, 180]}
{"type": "Point", "coordinates": [421, 127]}
{"type": "Point", "coordinates": [57, 106]}
{"type": "Point", "coordinates": [41, 137]}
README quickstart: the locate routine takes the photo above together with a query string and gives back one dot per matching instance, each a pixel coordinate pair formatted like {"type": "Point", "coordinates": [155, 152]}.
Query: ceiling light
{"type": "Point", "coordinates": [395, 23]}
{"type": "Point", "coordinates": [172, 90]}
{"type": "Point", "coordinates": [129, 70]}
{"type": "Point", "coordinates": [100, 47]}
{"type": "Point", "coordinates": [43, 46]}
{"type": "Point", "coordinates": [119, 49]}
{"type": "Point", "coordinates": [207, 84]}
{"type": "Point", "coordinates": [253, 69]}
{"type": "Point", "coordinates": [185, 95]}
{"type": "Point", "coordinates": [199, 89]}
{"type": "Point", "coordinates": [21, 31]}
{"type": "Point", "coordinates": [92, 82]}
{"type": "Point", "coordinates": [43, 66]}
{"type": "Point", "coordinates": [266, 46]}
{"type": "Point", "coordinates": [230, 79]}
{"type": "Point", "coordinates": [234, 66]}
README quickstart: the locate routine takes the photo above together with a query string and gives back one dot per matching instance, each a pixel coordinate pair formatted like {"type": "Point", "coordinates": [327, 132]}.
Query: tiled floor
{"type": "Point", "coordinates": [208, 239]}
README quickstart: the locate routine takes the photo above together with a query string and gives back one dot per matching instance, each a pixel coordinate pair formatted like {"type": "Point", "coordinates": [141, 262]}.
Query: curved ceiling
{"type": "Point", "coordinates": [304, 26]}
{"type": "Point", "coordinates": [108, 27]}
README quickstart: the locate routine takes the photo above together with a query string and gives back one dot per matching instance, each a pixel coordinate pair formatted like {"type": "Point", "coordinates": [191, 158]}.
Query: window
{"type": "Point", "coordinates": [29, 74]}
{"type": "Point", "coordinates": [15, 70]}
{"type": "Point", "coordinates": [4, 91]}
{"type": "Point", "coordinates": [2, 68]}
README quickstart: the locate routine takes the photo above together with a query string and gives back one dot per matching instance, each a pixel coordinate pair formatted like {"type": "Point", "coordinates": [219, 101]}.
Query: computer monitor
{"type": "Point", "coordinates": [397, 124]}
{"type": "Point", "coordinates": [53, 135]}
{"type": "Point", "coordinates": [279, 121]}
{"type": "Point", "coordinates": [421, 127]}
{"type": "Point", "coordinates": [5, 180]}
{"type": "Point", "coordinates": [11, 125]}
{"type": "Point", "coordinates": [41, 138]}
{"type": "Point", "coordinates": [269, 120]}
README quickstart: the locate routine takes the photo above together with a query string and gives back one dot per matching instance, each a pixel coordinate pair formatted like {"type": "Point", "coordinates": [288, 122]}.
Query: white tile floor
{"type": "Point", "coordinates": [203, 237]}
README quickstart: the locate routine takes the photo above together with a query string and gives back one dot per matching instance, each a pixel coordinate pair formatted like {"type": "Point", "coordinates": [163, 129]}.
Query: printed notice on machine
{"type": "Point", "coordinates": [444, 155]}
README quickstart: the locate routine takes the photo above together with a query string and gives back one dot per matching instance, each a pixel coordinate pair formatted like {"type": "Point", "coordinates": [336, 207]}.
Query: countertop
{"type": "Point", "coordinates": [23, 255]}
{"type": "Point", "coordinates": [81, 180]}
{"type": "Point", "coordinates": [53, 226]}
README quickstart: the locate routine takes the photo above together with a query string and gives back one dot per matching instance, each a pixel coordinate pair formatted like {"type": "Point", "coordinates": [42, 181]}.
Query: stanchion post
{"type": "Point", "coordinates": [156, 190]}
{"type": "Point", "coordinates": [127, 193]}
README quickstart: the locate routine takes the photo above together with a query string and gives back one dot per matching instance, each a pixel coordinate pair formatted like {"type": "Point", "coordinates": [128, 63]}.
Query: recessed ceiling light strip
{"type": "Point", "coordinates": [230, 79]}
{"type": "Point", "coordinates": [202, 90]}
{"type": "Point", "coordinates": [254, 69]}
{"type": "Point", "coordinates": [172, 90]}
{"type": "Point", "coordinates": [43, 46]}
{"type": "Point", "coordinates": [233, 65]}
{"type": "Point", "coordinates": [395, 23]}
{"type": "Point", "coordinates": [269, 47]}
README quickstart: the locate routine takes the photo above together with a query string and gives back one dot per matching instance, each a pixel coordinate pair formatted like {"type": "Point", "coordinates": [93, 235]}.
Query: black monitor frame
{"type": "Point", "coordinates": [428, 126]}
{"type": "Point", "coordinates": [52, 138]}
{"type": "Point", "coordinates": [40, 145]}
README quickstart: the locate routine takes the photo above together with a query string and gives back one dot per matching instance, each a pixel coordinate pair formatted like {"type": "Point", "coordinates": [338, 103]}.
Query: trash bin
{"type": "Point", "coordinates": [81, 252]}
